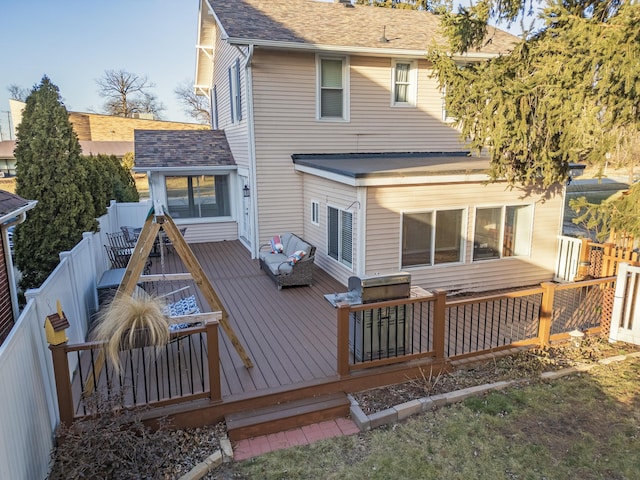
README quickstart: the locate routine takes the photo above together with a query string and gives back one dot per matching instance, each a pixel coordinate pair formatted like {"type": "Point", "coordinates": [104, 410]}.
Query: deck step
{"type": "Point", "coordinates": [285, 416]}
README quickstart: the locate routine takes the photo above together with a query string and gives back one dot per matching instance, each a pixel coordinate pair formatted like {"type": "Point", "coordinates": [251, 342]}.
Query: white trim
{"type": "Point", "coordinates": [462, 245]}
{"type": "Point", "coordinates": [338, 49]}
{"type": "Point", "coordinates": [315, 211]}
{"type": "Point", "coordinates": [412, 82]}
{"type": "Point", "coordinates": [426, 179]}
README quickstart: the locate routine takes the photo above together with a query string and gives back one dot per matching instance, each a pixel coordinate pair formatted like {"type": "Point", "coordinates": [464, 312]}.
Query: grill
{"type": "Point", "coordinates": [378, 332]}
{"type": "Point", "coordinates": [377, 288]}
{"type": "Point", "coordinates": [374, 288]}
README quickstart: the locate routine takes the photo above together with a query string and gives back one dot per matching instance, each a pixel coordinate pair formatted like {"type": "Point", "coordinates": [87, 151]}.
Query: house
{"type": "Point", "coordinates": [97, 134]}
{"type": "Point", "coordinates": [338, 133]}
{"type": "Point", "coordinates": [13, 210]}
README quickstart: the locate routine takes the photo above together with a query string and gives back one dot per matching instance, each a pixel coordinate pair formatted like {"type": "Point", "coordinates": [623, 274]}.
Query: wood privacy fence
{"type": "Point", "coordinates": [598, 260]}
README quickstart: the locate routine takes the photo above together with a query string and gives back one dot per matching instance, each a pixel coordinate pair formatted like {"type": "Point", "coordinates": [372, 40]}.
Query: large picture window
{"type": "Point", "coordinates": [332, 92]}
{"type": "Point", "coordinates": [502, 232]}
{"type": "Point", "coordinates": [432, 238]}
{"type": "Point", "coordinates": [198, 196]}
{"type": "Point", "coordinates": [340, 235]}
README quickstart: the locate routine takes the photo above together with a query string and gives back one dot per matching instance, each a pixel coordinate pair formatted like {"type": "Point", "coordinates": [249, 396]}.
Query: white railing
{"type": "Point", "coordinates": [28, 400]}
{"type": "Point", "coordinates": [568, 258]}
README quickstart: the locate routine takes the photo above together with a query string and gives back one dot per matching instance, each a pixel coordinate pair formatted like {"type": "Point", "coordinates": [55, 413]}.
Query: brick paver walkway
{"type": "Point", "coordinates": [255, 446]}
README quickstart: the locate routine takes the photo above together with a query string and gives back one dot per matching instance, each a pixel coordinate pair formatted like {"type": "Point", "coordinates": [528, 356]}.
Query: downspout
{"type": "Point", "coordinates": [251, 147]}
{"type": "Point", "coordinates": [22, 216]}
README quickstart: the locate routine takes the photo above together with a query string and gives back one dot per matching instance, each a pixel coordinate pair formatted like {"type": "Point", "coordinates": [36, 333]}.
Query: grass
{"type": "Point", "coordinates": [584, 426]}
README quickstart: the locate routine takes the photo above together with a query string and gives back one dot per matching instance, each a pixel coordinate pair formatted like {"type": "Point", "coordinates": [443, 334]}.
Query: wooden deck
{"type": "Point", "coordinates": [289, 334]}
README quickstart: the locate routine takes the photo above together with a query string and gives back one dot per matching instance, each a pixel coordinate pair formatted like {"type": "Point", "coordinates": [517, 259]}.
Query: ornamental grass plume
{"type": "Point", "coordinates": [129, 319]}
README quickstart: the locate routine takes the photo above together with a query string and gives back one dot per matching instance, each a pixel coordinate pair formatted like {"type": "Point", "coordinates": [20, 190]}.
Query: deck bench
{"type": "Point", "coordinates": [288, 260]}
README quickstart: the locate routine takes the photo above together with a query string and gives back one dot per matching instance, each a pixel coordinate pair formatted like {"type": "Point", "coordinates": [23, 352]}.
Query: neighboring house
{"type": "Point", "coordinates": [13, 210]}
{"type": "Point", "coordinates": [338, 133]}
{"type": "Point", "coordinates": [97, 133]}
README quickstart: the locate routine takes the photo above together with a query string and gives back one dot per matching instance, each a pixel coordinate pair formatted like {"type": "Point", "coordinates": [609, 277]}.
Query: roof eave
{"type": "Point", "coordinates": [382, 52]}
{"type": "Point", "coordinates": [186, 169]}
{"type": "Point", "coordinates": [19, 211]}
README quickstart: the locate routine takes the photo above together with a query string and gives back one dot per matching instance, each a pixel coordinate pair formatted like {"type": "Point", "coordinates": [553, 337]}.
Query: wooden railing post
{"type": "Point", "coordinates": [213, 357]}
{"type": "Point", "coordinates": [546, 313]}
{"type": "Point", "coordinates": [583, 262]}
{"type": "Point", "coordinates": [439, 309]}
{"type": "Point", "coordinates": [343, 339]}
{"type": "Point", "coordinates": [63, 382]}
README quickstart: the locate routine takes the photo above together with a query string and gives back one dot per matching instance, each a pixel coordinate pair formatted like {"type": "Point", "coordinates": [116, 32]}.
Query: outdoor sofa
{"type": "Point", "coordinates": [288, 259]}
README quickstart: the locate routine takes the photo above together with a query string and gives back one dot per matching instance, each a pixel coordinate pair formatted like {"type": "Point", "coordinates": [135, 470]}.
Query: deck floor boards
{"type": "Point", "coordinates": [289, 334]}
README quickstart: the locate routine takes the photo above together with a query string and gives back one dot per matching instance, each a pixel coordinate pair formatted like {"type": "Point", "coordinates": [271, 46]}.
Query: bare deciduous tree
{"type": "Point", "coordinates": [16, 92]}
{"type": "Point", "coordinates": [127, 94]}
{"type": "Point", "coordinates": [194, 105]}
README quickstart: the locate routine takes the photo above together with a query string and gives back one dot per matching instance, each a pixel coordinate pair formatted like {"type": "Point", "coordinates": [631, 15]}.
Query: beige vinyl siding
{"type": "Point", "coordinates": [285, 123]}
{"type": "Point", "coordinates": [210, 232]}
{"type": "Point", "coordinates": [386, 205]}
{"type": "Point", "coordinates": [237, 134]}
{"type": "Point", "coordinates": [329, 194]}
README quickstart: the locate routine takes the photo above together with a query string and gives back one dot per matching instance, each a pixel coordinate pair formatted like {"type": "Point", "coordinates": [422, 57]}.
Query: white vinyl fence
{"type": "Point", "coordinates": [568, 258]}
{"type": "Point", "coordinates": [28, 400]}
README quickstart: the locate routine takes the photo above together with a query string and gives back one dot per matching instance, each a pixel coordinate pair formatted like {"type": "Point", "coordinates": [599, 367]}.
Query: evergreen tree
{"type": "Point", "coordinates": [109, 180]}
{"type": "Point", "coordinates": [570, 93]}
{"type": "Point", "coordinates": [49, 169]}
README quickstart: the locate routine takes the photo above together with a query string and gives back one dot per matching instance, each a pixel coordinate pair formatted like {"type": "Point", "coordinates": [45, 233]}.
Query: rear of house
{"type": "Point", "coordinates": [295, 83]}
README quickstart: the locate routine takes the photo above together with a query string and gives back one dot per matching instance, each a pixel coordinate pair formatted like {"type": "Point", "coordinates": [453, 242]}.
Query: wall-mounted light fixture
{"type": "Point", "coordinates": [246, 192]}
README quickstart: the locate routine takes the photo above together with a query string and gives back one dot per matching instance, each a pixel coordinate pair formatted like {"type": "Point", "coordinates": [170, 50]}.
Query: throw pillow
{"type": "Point", "coordinates": [296, 256]}
{"type": "Point", "coordinates": [184, 306]}
{"type": "Point", "coordinates": [276, 244]}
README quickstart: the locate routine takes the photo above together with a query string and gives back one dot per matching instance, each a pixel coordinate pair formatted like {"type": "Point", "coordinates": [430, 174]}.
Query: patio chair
{"type": "Point", "coordinates": [166, 241]}
{"type": "Point", "coordinates": [130, 234]}
{"type": "Point", "coordinates": [119, 257]}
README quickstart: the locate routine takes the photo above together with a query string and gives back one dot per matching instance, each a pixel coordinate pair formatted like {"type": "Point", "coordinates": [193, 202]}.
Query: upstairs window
{"type": "Point", "coordinates": [315, 213]}
{"type": "Point", "coordinates": [404, 84]}
{"type": "Point", "coordinates": [502, 232]}
{"type": "Point", "coordinates": [235, 98]}
{"type": "Point", "coordinates": [332, 91]}
{"type": "Point", "coordinates": [214, 108]}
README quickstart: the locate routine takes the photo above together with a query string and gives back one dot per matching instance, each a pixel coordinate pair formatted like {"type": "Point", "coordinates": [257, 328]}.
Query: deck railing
{"type": "Point", "coordinates": [186, 369]}
{"type": "Point", "coordinates": [431, 325]}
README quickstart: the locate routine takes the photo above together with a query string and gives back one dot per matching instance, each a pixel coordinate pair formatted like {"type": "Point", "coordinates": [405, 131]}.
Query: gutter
{"type": "Point", "coordinates": [382, 52]}
{"type": "Point", "coordinates": [14, 218]}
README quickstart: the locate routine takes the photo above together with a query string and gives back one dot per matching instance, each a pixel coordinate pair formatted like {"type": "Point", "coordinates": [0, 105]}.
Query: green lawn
{"type": "Point", "coordinates": [585, 426]}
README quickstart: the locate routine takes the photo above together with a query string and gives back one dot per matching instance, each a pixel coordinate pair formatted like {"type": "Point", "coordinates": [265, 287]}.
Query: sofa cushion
{"type": "Point", "coordinates": [276, 262]}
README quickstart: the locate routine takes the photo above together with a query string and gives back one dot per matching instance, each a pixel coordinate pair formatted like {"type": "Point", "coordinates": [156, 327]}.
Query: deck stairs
{"type": "Point", "coordinates": [287, 415]}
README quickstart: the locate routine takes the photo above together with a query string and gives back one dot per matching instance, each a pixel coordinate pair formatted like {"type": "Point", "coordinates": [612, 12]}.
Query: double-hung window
{"type": "Point", "coordinates": [332, 91]}
{"type": "Point", "coordinates": [214, 108]}
{"type": "Point", "coordinates": [432, 238]}
{"type": "Point", "coordinates": [198, 196]}
{"type": "Point", "coordinates": [340, 235]}
{"type": "Point", "coordinates": [404, 87]}
{"type": "Point", "coordinates": [235, 98]}
{"type": "Point", "coordinates": [502, 232]}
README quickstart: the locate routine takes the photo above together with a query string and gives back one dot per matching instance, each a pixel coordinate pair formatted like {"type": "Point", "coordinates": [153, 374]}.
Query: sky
{"type": "Point", "coordinates": [74, 42]}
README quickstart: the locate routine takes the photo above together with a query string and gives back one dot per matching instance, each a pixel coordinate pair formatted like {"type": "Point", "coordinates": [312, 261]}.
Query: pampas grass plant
{"type": "Point", "coordinates": [126, 320]}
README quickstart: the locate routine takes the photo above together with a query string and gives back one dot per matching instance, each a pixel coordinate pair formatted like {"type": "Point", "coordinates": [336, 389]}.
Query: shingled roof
{"type": "Point", "coordinates": [157, 149]}
{"type": "Point", "coordinates": [315, 24]}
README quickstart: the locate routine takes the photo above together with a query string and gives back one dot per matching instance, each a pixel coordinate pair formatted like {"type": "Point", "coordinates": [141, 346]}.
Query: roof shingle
{"type": "Point", "coordinates": [181, 148]}
{"type": "Point", "coordinates": [313, 23]}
